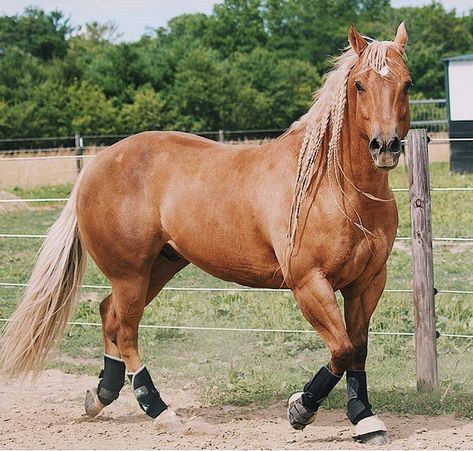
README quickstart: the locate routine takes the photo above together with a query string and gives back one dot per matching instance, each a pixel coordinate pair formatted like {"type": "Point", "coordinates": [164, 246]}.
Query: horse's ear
{"type": "Point", "coordinates": [357, 42]}
{"type": "Point", "coordinates": [401, 35]}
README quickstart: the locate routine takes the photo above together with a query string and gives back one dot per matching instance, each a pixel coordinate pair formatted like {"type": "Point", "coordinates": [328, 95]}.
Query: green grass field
{"type": "Point", "coordinates": [242, 367]}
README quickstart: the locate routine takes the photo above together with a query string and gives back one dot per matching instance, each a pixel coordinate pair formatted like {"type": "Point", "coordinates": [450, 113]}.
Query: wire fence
{"type": "Point", "coordinates": [245, 330]}
{"type": "Point", "coordinates": [237, 289]}
{"type": "Point", "coordinates": [398, 238]}
{"type": "Point", "coordinates": [430, 114]}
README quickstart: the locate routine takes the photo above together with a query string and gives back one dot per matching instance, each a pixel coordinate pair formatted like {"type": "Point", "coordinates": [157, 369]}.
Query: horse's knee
{"type": "Point", "coordinates": [342, 357]}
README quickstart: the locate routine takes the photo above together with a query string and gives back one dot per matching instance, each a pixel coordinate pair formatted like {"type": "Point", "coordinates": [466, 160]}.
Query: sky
{"type": "Point", "coordinates": [134, 16]}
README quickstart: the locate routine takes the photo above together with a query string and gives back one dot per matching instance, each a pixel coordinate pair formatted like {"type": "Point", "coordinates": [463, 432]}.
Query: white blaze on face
{"type": "Point", "coordinates": [384, 71]}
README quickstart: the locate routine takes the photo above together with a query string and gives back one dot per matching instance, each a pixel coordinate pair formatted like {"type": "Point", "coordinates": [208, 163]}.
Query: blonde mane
{"type": "Point", "coordinates": [327, 114]}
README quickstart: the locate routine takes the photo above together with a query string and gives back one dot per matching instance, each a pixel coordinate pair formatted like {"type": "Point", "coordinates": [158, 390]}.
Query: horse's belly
{"type": "Point", "coordinates": [250, 276]}
{"type": "Point", "coordinates": [254, 268]}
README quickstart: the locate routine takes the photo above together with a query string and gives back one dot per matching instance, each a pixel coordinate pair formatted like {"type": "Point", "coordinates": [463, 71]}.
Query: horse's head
{"type": "Point", "coordinates": [378, 86]}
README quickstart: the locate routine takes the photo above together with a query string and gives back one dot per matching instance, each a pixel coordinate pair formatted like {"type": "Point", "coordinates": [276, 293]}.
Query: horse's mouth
{"type": "Point", "coordinates": [386, 168]}
{"type": "Point", "coordinates": [386, 160]}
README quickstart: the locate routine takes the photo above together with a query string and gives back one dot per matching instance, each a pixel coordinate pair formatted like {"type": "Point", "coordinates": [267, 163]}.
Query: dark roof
{"type": "Point", "coordinates": [468, 57]}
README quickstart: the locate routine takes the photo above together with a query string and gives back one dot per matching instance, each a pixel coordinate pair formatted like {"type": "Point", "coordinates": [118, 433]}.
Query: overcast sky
{"type": "Point", "coordinates": [133, 16]}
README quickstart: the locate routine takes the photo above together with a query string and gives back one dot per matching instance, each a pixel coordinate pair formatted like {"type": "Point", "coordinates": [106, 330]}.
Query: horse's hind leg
{"type": "Point", "coordinates": [121, 313]}
{"type": "Point", "coordinates": [112, 377]}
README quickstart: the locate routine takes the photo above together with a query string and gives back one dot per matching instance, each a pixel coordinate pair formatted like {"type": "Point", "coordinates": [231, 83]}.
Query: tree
{"type": "Point", "coordinates": [100, 32]}
{"type": "Point", "coordinates": [283, 86]}
{"type": "Point", "coordinates": [20, 72]}
{"type": "Point", "coordinates": [250, 64]}
{"type": "Point", "coordinates": [90, 110]}
{"type": "Point", "coordinates": [309, 30]}
{"type": "Point", "coordinates": [40, 34]}
{"type": "Point", "coordinates": [198, 91]}
{"type": "Point", "coordinates": [147, 112]}
{"type": "Point", "coordinates": [433, 35]}
{"type": "Point", "coordinates": [237, 25]}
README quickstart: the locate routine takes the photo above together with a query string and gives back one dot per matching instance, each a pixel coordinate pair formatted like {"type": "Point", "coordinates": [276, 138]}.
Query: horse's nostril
{"type": "Point", "coordinates": [375, 144]}
{"type": "Point", "coordinates": [395, 145]}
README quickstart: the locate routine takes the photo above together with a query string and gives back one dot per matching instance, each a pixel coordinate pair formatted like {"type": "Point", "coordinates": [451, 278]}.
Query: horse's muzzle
{"type": "Point", "coordinates": [385, 152]}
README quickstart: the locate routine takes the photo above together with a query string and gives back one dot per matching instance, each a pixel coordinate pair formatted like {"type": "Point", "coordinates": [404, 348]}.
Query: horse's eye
{"type": "Point", "coordinates": [359, 86]}
{"type": "Point", "coordinates": [407, 87]}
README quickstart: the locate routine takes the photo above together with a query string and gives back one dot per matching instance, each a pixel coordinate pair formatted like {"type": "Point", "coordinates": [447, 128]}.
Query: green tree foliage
{"type": "Point", "coordinates": [146, 112]}
{"type": "Point", "coordinates": [237, 25]}
{"type": "Point", "coordinates": [250, 64]}
{"type": "Point", "coordinates": [35, 32]}
{"type": "Point", "coordinates": [91, 112]}
{"type": "Point", "coordinates": [268, 91]}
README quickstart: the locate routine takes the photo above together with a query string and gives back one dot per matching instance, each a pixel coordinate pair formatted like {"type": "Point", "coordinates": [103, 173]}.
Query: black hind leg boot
{"type": "Point", "coordinates": [146, 393]}
{"type": "Point", "coordinates": [112, 379]}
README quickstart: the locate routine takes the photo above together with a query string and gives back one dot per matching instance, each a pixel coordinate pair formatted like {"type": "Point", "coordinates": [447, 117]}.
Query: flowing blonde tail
{"type": "Point", "coordinates": [48, 303]}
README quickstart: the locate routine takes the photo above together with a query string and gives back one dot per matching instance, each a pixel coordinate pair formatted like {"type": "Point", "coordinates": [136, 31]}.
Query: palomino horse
{"type": "Point", "coordinates": [311, 211]}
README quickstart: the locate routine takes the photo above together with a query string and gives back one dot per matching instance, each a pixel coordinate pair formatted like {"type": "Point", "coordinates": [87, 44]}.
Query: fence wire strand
{"type": "Point", "coordinates": [398, 238]}
{"type": "Point", "coordinates": [65, 199]}
{"type": "Point", "coordinates": [231, 289]}
{"type": "Point", "coordinates": [243, 329]}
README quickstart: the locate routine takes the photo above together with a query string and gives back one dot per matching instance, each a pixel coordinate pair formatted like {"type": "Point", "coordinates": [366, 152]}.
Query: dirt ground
{"type": "Point", "coordinates": [49, 415]}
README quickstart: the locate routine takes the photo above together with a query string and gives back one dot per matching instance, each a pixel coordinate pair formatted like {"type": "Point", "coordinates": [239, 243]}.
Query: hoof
{"type": "Point", "coordinates": [92, 404]}
{"type": "Point", "coordinates": [298, 415]}
{"type": "Point", "coordinates": [371, 431]}
{"type": "Point", "coordinates": [374, 438]}
{"type": "Point", "coordinates": [168, 421]}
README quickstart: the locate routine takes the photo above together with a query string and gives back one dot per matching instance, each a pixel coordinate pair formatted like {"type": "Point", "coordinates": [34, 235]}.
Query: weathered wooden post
{"type": "Point", "coordinates": [79, 144]}
{"type": "Point", "coordinates": [422, 260]}
{"type": "Point", "coordinates": [221, 136]}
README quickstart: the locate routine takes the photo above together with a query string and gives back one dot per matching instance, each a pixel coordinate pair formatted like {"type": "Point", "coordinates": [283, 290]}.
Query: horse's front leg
{"type": "Point", "coordinates": [360, 304]}
{"type": "Point", "coordinates": [319, 306]}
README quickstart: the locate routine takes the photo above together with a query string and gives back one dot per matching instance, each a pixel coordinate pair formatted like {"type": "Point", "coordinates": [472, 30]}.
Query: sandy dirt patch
{"type": "Point", "coordinates": [49, 415]}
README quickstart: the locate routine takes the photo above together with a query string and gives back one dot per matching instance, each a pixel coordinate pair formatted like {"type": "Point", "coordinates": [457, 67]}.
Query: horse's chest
{"type": "Point", "coordinates": [358, 260]}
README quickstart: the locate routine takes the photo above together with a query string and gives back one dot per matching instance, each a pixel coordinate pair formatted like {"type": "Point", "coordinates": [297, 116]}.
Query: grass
{"type": "Point", "coordinates": [451, 216]}
{"type": "Point", "coordinates": [242, 367]}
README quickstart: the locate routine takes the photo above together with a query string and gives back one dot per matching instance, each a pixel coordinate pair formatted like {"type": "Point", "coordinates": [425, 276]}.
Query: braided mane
{"type": "Point", "coordinates": [327, 115]}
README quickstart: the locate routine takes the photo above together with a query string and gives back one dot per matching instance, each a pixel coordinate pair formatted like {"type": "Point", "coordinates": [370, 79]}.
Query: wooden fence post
{"type": "Point", "coordinates": [79, 144]}
{"type": "Point", "coordinates": [422, 260]}
{"type": "Point", "coordinates": [221, 136]}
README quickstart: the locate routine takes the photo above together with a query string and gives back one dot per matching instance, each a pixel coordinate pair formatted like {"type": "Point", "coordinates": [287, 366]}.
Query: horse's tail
{"type": "Point", "coordinates": [48, 303]}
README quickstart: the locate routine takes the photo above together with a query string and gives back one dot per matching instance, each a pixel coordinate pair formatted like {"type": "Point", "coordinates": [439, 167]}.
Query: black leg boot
{"type": "Point", "coordinates": [368, 427]}
{"type": "Point", "coordinates": [112, 379]}
{"type": "Point", "coordinates": [302, 407]}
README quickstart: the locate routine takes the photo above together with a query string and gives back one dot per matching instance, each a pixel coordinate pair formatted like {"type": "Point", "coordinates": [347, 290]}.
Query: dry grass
{"type": "Point", "coordinates": [35, 172]}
